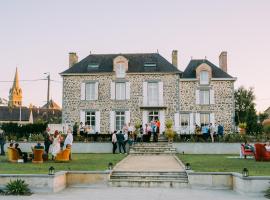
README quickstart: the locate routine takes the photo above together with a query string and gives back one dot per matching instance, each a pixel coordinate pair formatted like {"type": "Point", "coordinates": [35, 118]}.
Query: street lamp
{"type": "Point", "coordinates": [188, 166]}
{"type": "Point", "coordinates": [48, 90]}
{"type": "Point", "coordinates": [245, 172]}
{"type": "Point", "coordinates": [51, 170]}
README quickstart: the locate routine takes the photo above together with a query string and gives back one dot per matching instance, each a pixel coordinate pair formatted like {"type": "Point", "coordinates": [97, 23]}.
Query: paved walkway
{"type": "Point", "coordinates": [107, 193]}
{"type": "Point", "coordinates": [149, 163]}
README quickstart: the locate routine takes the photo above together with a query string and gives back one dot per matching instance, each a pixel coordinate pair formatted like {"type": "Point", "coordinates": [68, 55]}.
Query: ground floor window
{"type": "Point", "coordinates": [119, 120]}
{"type": "Point", "coordinates": [184, 120]}
{"type": "Point", "coordinates": [153, 115]}
{"type": "Point", "coordinates": [205, 119]}
{"type": "Point", "coordinates": [90, 119]}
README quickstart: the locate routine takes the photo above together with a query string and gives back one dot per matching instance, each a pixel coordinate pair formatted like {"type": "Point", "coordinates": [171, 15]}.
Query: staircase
{"type": "Point", "coordinates": [164, 179]}
{"type": "Point", "coordinates": [160, 148]}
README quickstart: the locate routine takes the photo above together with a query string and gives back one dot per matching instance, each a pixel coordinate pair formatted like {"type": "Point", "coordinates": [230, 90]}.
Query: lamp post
{"type": "Point", "coordinates": [48, 90]}
{"type": "Point", "coordinates": [245, 172]}
{"type": "Point", "coordinates": [188, 166]}
{"type": "Point", "coordinates": [110, 166]}
{"type": "Point", "coordinates": [51, 170]}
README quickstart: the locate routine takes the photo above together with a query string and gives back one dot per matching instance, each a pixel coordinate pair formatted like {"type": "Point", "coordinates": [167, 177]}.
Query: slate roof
{"type": "Point", "coordinates": [190, 71]}
{"type": "Point", "coordinates": [135, 63]}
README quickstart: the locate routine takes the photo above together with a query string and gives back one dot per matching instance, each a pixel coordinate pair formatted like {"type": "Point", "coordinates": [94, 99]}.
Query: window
{"type": "Point", "coordinates": [152, 94]}
{"type": "Point", "coordinates": [119, 120]}
{"type": "Point", "coordinates": [120, 91]}
{"type": "Point", "coordinates": [90, 119]}
{"type": "Point", "coordinates": [204, 97]}
{"type": "Point", "coordinates": [205, 119]}
{"type": "Point", "coordinates": [120, 71]}
{"type": "Point", "coordinates": [90, 91]}
{"type": "Point", "coordinates": [184, 120]}
{"type": "Point", "coordinates": [152, 115]}
{"type": "Point", "coordinates": [204, 78]}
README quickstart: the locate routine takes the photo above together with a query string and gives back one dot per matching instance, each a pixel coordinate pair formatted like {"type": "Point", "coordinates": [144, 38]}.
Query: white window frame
{"type": "Point", "coordinates": [204, 77]}
{"type": "Point", "coordinates": [151, 95]}
{"type": "Point", "coordinates": [120, 92]}
{"type": "Point", "coordinates": [203, 117]}
{"type": "Point", "coordinates": [120, 70]}
{"type": "Point", "coordinates": [151, 114]}
{"type": "Point", "coordinates": [90, 95]}
{"type": "Point", "coordinates": [182, 117]}
{"type": "Point", "coordinates": [204, 97]}
{"type": "Point", "coordinates": [92, 118]}
{"type": "Point", "coordinates": [121, 120]}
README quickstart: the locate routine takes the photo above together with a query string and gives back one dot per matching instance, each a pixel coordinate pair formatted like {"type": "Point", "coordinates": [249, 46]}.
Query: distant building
{"type": "Point", "coordinates": [268, 112]}
{"type": "Point", "coordinates": [52, 105]}
{"type": "Point", "coordinates": [3, 102]}
{"type": "Point", "coordinates": [15, 93]}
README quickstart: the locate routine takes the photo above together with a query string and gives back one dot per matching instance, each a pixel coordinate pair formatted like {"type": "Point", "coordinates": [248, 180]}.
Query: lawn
{"type": "Point", "coordinates": [80, 162]}
{"type": "Point", "coordinates": [225, 163]}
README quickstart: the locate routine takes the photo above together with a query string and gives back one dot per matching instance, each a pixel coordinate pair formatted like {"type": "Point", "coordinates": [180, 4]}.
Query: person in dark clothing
{"type": "Point", "coordinates": [120, 140]}
{"type": "Point", "coordinates": [47, 140]}
{"type": "Point", "coordinates": [23, 155]}
{"type": "Point", "coordinates": [2, 142]}
{"type": "Point", "coordinates": [220, 130]}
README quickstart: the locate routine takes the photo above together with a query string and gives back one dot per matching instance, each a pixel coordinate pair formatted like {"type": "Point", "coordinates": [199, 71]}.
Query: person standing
{"type": "Point", "coordinates": [220, 130]}
{"type": "Point", "coordinates": [56, 144]}
{"type": "Point", "coordinates": [114, 141]}
{"type": "Point", "coordinates": [212, 131]}
{"type": "Point", "coordinates": [47, 140]}
{"type": "Point", "coordinates": [2, 142]}
{"type": "Point", "coordinates": [69, 140]}
{"type": "Point", "coordinates": [120, 140]}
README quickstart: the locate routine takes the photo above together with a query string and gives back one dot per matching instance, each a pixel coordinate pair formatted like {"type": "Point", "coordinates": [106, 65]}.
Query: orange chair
{"type": "Point", "coordinates": [246, 152]}
{"type": "Point", "coordinates": [13, 155]}
{"type": "Point", "coordinates": [63, 156]}
{"type": "Point", "coordinates": [261, 154]}
{"type": "Point", "coordinates": [38, 156]}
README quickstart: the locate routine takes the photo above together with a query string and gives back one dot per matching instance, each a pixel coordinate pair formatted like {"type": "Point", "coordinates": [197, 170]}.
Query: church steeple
{"type": "Point", "coordinates": [15, 93]}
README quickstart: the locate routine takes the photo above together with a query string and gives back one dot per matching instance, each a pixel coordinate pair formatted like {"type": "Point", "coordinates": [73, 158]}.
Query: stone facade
{"type": "Point", "coordinates": [72, 103]}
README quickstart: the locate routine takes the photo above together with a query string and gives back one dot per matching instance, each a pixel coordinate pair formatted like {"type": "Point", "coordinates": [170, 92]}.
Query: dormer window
{"type": "Point", "coordinates": [150, 66]}
{"type": "Point", "coordinates": [120, 71]}
{"type": "Point", "coordinates": [204, 78]}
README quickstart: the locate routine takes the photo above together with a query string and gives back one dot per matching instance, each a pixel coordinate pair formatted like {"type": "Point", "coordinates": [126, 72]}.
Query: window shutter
{"type": "Point", "coordinates": [127, 90]}
{"type": "Point", "coordinates": [212, 96]}
{"type": "Point", "coordinates": [113, 90]}
{"type": "Point", "coordinates": [97, 121]}
{"type": "Point", "coordinates": [162, 121]}
{"type": "Point", "coordinates": [82, 116]}
{"type": "Point", "coordinates": [160, 97]}
{"type": "Point", "coordinates": [82, 91]}
{"type": "Point", "coordinates": [112, 119]}
{"type": "Point", "coordinates": [145, 93]}
{"type": "Point", "coordinates": [127, 117]}
{"type": "Point", "coordinates": [212, 118]}
{"type": "Point", "coordinates": [197, 96]}
{"type": "Point", "coordinates": [191, 123]}
{"type": "Point", "coordinates": [198, 120]}
{"type": "Point", "coordinates": [96, 91]}
{"type": "Point", "coordinates": [176, 122]}
{"type": "Point", "coordinates": [144, 118]}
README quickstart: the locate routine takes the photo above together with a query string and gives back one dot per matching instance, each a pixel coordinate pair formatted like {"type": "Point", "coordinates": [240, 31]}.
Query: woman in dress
{"type": "Point", "coordinates": [55, 145]}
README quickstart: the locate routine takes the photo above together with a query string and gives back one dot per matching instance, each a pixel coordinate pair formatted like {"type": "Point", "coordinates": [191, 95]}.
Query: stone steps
{"type": "Point", "coordinates": [152, 149]}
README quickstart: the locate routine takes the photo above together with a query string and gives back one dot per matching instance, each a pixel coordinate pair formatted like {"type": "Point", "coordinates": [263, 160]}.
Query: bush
{"type": "Point", "coordinates": [267, 193]}
{"type": "Point", "coordinates": [266, 128]}
{"type": "Point", "coordinates": [17, 187]}
{"type": "Point", "coordinates": [36, 137]}
{"type": "Point", "coordinates": [169, 123]}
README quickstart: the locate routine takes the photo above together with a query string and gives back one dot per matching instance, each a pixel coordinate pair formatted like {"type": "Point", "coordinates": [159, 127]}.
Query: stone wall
{"type": "Point", "coordinates": [72, 103]}
{"type": "Point", "coordinates": [223, 108]}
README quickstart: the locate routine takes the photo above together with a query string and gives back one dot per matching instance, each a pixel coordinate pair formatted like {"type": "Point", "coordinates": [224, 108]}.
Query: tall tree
{"type": "Point", "coordinates": [245, 108]}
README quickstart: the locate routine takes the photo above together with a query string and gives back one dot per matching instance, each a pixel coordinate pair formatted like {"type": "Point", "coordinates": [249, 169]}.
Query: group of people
{"type": "Point", "coordinates": [56, 142]}
{"type": "Point", "coordinates": [128, 134]}
{"type": "Point", "coordinates": [211, 130]}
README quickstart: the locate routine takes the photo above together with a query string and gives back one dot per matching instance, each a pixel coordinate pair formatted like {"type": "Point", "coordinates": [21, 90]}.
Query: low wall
{"type": "Point", "coordinates": [189, 148]}
{"type": "Point", "coordinates": [43, 183]}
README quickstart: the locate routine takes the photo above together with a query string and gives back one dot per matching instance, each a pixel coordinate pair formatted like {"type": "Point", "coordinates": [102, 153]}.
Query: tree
{"type": "Point", "coordinates": [245, 109]}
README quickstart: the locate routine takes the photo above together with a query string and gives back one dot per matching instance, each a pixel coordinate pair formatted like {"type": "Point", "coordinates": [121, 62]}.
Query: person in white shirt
{"type": "Point", "coordinates": [69, 140]}
{"type": "Point", "coordinates": [114, 141]}
{"type": "Point", "coordinates": [267, 146]}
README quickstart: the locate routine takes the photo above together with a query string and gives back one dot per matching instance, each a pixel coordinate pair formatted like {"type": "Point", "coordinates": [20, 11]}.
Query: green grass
{"type": "Point", "coordinates": [222, 163]}
{"type": "Point", "coordinates": [80, 162]}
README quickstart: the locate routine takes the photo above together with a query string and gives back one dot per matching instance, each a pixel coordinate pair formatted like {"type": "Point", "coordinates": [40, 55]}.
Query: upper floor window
{"type": "Point", "coordinates": [204, 78]}
{"type": "Point", "coordinates": [90, 91]}
{"type": "Point", "coordinates": [204, 97]}
{"type": "Point", "coordinates": [153, 93]}
{"type": "Point", "coordinates": [120, 91]}
{"type": "Point", "coordinates": [120, 71]}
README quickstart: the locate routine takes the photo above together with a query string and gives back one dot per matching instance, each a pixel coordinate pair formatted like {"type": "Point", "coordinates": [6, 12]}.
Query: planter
{"type": "Point", "coordinates": [242, 131]}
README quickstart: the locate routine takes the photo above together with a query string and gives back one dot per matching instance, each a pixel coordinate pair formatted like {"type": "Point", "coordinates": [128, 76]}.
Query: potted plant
{"type": "Point", "coordinates": [169, 131]}
{"type": "Point", "coordinates": [242, 127]}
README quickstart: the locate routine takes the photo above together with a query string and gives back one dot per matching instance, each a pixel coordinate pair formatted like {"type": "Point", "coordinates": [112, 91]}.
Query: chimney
{"type": "Point", "coordinates": [223, 61]}
{"type": "Point", "coordinates": [73, 59]}
{"type": "Point", "coordinates": [174, 58]}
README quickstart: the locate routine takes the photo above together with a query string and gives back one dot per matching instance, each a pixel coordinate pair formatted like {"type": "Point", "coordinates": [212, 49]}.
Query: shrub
{"type": "Point", "coordinates": [169, 123]}
{"type": "Point", "coordinates": [17, 187]}
{"type": "Point", "coordinates": [36, 137]}
{"type": "Point", "coordinates": [266, 128]}
{"type": "Point", "coordinates": [267, 193]}
{"type": "Point", "coordinates": [243, 125]}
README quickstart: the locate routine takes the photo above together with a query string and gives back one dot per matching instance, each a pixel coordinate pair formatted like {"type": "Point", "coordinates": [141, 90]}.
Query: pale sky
{"type": "Point", "coordinates": [36, 37]}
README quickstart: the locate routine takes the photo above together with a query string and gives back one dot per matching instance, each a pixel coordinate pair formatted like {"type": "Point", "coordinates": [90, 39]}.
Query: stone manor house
{"type": "Point", "coordinates": [109, 90]}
